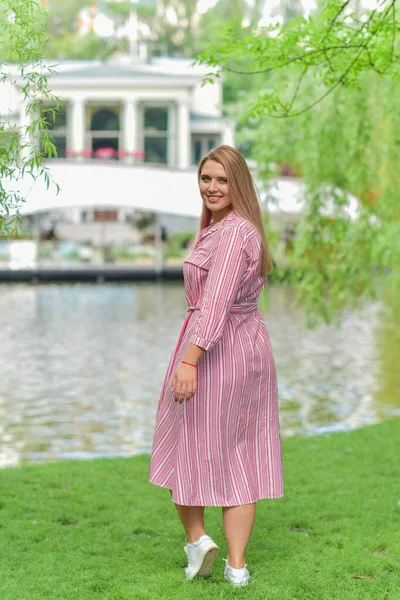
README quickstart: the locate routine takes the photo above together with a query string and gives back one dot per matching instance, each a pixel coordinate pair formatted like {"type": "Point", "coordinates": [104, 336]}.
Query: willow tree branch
{"type": "Point", "coordinates": [300, 58]}
{"type": "Point", "coordinates": [296, 91]}
{"type": "Point", "coordinates": [393, 28]}
{"type": "Point", "coordinates": [332, 23]}
{"type": "Point", "coordinates": [342, 77]}
{"type": "Point", "coordinates": [324, 50]}
{"type": "Point", "coordinates": [331, 89]}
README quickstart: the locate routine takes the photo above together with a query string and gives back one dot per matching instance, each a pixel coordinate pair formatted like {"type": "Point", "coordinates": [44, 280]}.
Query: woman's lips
{"type": "Point", "coordinates": [213, 199]}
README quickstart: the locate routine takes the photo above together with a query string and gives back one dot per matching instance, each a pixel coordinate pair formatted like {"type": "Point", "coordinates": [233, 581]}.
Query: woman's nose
{"type": "Point", "coordinates": [213, 186]}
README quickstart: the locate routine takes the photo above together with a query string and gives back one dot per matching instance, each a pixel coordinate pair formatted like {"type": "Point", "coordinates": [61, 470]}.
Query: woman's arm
{"type": "Point", "coordinates": [225, 275]}
{"type": "Point", "coordinates": [193, 354]}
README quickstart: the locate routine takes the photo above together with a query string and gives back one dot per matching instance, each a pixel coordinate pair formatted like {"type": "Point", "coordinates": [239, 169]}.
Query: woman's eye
{"type": "Point", "coordinates": [220, 180]}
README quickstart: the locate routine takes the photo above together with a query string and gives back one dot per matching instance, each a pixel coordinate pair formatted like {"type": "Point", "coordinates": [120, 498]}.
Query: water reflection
{"type": "Point", "coordinates": [83, 365]}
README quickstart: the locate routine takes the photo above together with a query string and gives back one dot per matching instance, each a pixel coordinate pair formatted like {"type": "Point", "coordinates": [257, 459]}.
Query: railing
{"type": "Point", "coordinates": [137, 156]}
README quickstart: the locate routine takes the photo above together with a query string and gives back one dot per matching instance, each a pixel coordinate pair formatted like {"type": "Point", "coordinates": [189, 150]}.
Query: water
{"type": "Point", "coordinates": [82, 368]}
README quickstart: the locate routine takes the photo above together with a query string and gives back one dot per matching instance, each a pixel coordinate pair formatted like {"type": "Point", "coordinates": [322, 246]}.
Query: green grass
{"type": "Point", "coordinates": [88, 530]}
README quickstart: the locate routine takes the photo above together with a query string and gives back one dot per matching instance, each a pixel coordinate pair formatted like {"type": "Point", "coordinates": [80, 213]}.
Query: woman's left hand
{"type": "Point", "coordinates": [184, 383]}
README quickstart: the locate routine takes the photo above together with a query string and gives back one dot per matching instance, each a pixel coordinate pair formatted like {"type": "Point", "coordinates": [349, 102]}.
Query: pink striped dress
{"type": "Point", "coordinates": [222, 447]}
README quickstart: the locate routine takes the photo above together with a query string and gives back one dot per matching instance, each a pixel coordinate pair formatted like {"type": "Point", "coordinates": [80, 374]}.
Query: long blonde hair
{"type": "Point", "coordinates": [242, 193]}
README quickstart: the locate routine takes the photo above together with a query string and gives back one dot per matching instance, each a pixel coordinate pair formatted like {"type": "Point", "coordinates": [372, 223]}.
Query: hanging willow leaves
{"type": "Point", "coordinates": [326, 106]}
{"type": "Point", "coordinates": [22, 39]}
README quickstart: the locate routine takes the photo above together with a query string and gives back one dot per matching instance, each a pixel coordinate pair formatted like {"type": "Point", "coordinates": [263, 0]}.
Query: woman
{"type": "Point", "coordinates": [217, 440]}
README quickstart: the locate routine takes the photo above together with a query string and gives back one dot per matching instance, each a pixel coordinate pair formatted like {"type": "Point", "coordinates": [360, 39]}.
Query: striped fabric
{"type": "Point", "coordinates": [222, 447]}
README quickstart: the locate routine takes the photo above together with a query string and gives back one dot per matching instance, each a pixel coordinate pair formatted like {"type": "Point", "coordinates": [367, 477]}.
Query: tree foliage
{"type": "Point", "coordinates": [175, 26]}
{"type": "Point", "coordinates": [63, 16]}
{"type": "Point", "coordinates": [22, 37]}
{"type": "Point", "coordinates": [69, 46]}
{"type": "Point", "coordinates": [327, 106]}
{"type": "Point", "coordinates": [332, 46]}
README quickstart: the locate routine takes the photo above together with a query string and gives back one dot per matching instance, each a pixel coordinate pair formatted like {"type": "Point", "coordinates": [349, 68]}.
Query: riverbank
{"type": "Point", "coordinates": [91, 530]}
{"type": "Point", "coordinates": [91, 274]}
{"type": "Point", "coordinates": [103, 273]}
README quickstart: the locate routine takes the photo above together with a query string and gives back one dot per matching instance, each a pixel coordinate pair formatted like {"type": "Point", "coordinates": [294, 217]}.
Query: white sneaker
{"type": "Point", "coordinates": [201, 556]}
{"type": "Point", "coordinates": [236, 576]}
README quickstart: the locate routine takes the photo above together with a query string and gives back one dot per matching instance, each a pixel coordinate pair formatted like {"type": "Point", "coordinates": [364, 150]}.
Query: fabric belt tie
{"type": "Point", "coordinates": [244, 307]}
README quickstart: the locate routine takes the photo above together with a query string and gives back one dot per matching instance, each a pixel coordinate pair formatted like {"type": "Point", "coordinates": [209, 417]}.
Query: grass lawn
{"type": "Point", "coordinates": [85, 530]}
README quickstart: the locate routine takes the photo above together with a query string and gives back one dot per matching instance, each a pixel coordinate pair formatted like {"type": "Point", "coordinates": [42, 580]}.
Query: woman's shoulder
{"type": "Point", "coordinates": [251, 240]}
{"type": "Point", "coordinates": [244, 226]}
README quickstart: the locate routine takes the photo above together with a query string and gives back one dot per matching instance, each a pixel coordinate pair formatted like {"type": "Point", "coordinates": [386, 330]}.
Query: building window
{"type": "Point", "coordinates": [156, 150]}
{"type": "Point", "coordinates": [155, 119]}
{"type": "Point", "coordinates": [57, 126]}
{"type": "Point", "coordinates": [104, 135]}
{"type": "Point", "coordinates": [105, 119]}
{"type": "Point", "coordinates": [157, 134]}
{"type": "Point", "coordinates": [197, 151]}
{"type": "Point", "coordinates": [201, 144]}
{"type": "Point", "coordinates": [60, 143]}
{"type": "Point", "coordinates": [105, 216]}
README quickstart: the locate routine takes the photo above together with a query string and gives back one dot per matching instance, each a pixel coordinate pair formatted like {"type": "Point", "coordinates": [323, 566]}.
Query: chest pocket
{"type": "Point", "coordinates": [200, 256]}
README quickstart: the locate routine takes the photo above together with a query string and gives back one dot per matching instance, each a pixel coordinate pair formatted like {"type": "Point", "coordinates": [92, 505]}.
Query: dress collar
{"type": "Point", "coordinates": [217, 224]}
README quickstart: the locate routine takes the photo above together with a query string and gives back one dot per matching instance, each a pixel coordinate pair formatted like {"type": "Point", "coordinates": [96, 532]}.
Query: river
{"type": "Point", "coordinates": [82, 367]}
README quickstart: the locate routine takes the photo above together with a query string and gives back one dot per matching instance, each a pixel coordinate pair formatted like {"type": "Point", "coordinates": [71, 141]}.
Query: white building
{"type": "Point", "coordinates": [129, 135]}
{"type": "Point", "coordinates": [139, 112]}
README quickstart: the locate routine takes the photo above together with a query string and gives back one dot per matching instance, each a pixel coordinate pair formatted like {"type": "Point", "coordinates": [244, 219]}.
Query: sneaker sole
{"type": "Point", "coordinates": [235, 584]}
{"type": "Point", "coordinates": [206, 566]}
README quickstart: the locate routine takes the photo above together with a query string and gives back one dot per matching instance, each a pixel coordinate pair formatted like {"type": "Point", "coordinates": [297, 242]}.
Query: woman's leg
{"type": "Point", "coordinates": [192, 518]}
{"type": "Point", "coordinates": [238, 524]}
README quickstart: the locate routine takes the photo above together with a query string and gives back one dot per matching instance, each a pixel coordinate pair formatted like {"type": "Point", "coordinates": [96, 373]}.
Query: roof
{"type": "Point", "coordinates": [112, 71]}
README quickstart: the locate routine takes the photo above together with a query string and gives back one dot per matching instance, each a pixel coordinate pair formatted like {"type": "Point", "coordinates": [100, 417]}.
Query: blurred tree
{"type": "Point", "coordinates": [289, 9]}
{"type": "Point", "coordinates": [175, 27]}
{"type": "Point", "coordinates": [256, 11]}
{"type": "Point", "coordinates": [63, 16]}
{"type": "Point", "coordinates": [64, 40]}
{"type": "Point", "coordinates": [83, 47]}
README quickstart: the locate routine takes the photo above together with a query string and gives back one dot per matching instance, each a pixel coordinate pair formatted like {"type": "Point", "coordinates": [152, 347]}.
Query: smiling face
{"type": "Point", "coordinates": [214, 188]}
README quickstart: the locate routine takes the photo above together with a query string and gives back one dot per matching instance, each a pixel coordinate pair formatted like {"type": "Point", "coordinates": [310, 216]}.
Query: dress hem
{"type": "Point", "coordinates": [262, 497]}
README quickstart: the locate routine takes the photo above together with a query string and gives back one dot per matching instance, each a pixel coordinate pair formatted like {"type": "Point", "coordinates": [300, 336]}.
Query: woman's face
{"type": "Point", "coordinates": [214, 186]}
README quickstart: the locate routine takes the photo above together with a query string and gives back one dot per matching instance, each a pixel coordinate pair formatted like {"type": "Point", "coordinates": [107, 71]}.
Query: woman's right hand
{"type": "Point", "coordinates": [184, 382]}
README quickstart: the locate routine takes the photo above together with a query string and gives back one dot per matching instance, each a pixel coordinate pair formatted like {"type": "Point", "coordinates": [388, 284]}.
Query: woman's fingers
{"type": "Point", "coordinates": [183, 389]}
{"type": "Point", "coordinates": [180, 391]}
{"type": "Point", "coordinates": [189, 391]}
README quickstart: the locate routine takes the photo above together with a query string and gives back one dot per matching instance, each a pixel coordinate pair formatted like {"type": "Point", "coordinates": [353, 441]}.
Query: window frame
{"type": "Point", "coordinates": [170, 133]}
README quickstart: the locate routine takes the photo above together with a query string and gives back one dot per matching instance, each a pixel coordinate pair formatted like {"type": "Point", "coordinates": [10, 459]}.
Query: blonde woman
{"type": "Point", "coordinates": [217, 438]}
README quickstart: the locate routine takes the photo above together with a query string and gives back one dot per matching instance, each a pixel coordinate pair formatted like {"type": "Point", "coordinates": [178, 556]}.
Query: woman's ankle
{"type": "Point", "coordinates": [236, 563]}
{"type": "Point", "coordinates": [192, 538]}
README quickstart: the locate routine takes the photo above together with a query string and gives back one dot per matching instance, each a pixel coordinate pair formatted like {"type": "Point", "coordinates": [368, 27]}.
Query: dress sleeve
{"type": "Point", "coordinates": [225, 275]}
